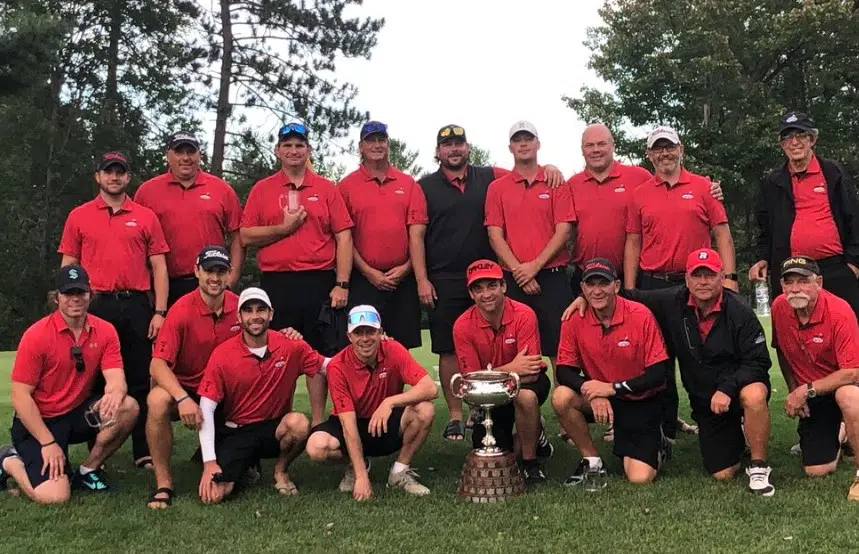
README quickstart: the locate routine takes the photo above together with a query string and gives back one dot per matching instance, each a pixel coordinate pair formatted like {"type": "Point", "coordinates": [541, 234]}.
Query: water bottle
{"type": "Point", "coordinates": [762, 299]}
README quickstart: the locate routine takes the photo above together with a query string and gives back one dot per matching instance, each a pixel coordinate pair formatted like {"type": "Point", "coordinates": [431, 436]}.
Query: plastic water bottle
{"type": "Point", "coordinates": [762, 299]}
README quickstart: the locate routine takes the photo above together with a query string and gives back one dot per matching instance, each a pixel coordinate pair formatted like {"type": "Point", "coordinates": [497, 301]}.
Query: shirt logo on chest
{"type": "Point", "coordinates": [205, 196]}
{"type": "Point", "coordinates": [687, 196]}
{"type": "Point", "coordinates": [624, 342]}
{"type": "Point", "coordinates": [313, 198]}
{"type": "Point", "coordinates": [383, 374]}
{"type": "Point", "coordinates": [509, 340]}
{"type": "Point", "coordinates": [620, 188]}
{"type": "Point", "coordinates": [132, 223]}
{"type": "Point", "coordinates": [544, 196]}
{"type": "Point", "coordinates": [279, 363]}
{"type": "Point", "coordinates": [817, 339]}
{"type": "Point", "coordinates": [399, 191]}
{"type": "Point", "coordinates": [819, 189]}
{"type": "Point", "coordinates": [234, 328]}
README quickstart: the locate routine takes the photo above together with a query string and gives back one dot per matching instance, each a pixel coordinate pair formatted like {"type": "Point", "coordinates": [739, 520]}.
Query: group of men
{"type": "Point", "coordinates": [148, 332]}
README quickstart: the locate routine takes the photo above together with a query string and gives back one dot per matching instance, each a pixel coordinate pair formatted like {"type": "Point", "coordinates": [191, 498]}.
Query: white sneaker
{"type": "Point", "coordinates": [347, 484]}
{"type": "Point", "coordinates": [759, 480]}
{"type": "Point", "coordinates": [408, 481]}
{"type": "Point", "coordinates": [796, 450]}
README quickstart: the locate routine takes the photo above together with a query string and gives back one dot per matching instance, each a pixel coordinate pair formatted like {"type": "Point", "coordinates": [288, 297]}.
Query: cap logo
{"type": "Point", "coordinates": [791, 118]}
{"type": "Point", "coordinates": [797, 261]}
{"type": "Point", "coordinates": [114, 156]}
{"type": "Point", "coordinates": [215, 254]}
{"type": "Point", "coordinates": [73, 274]}
{"type": "Point", "coordinates": [703, 255]}
{"type": "Point", "coordinates": [480, 267]}
{"type": "Point", "coordinates": [597, 265]}
{"type": "Point", "coordinates": [183, 136]}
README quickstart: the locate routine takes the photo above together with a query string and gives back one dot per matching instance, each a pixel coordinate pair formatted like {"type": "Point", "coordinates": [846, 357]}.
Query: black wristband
{"type": "Point", "coordinates": [186, 397]}
{"type": "Point", "coordinates": [49, 444]}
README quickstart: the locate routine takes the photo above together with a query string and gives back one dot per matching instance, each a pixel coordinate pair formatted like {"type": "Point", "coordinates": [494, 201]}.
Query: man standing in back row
{"type": "Point", "coordinates": [443, 248]}
{"type": "Point", "coordinates": [302, 228]}
{"type": "Point", "coordinates": [117, 241]}
{"type": "Point", "coordinates": [195, 209]}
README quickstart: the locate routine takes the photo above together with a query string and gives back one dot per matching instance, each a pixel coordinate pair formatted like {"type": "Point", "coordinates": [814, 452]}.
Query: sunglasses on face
{"type": "Point", "coordinates": [364, 318]}
{"type": "Point", "coordinates": [455, 131]}
{"type": "Point", "coordinates": [78, 356]}
{"type": "Point", "coordinates": [292, 128]}
{"type": "Point", "coordinates": [798, 135]}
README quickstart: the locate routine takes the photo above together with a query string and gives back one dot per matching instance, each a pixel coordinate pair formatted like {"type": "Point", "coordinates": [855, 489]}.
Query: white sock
{"type": "Point", "coordinates": [84, 470]}
{"type": "Point", "coordinates": [399, 468]}
{"type": "Point", "coordinates": [857, 473]}
{"type": "Point", "coordinates": [594, 461]}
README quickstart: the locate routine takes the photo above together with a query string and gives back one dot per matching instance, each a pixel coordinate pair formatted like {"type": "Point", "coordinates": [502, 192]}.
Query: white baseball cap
{"type": "Point", "coordinates": [525, 126]}
{"type": "Point", "coordinates": [363, 316]}
{"type": "Point", "coordinates": [254, 293]}
{"type": "Point", "coordinates": [662, 132]}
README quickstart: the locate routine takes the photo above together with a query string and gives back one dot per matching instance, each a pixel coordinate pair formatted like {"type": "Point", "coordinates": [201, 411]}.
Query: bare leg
{"type": "Point", "coordinates": [291, 433]}
{"type": "Point", "coordinates": [159, 435]}
{"type": "Point", "coordinates": [49, 492]}
{"type": "Point", "coordinates": [415, 425]}
{"type": "Point", "coordinates": [570, 408]}
{"type": "Point", "coordinates": [527, 422]}
{"type": "Point", "coordinates": [110, 439]}
{"type": "Point", "coordinates": [756, 417]}
{"type": "Point", "coordinates": [447, 368]}
{"type": "Point", "coordinates": [317, 389]}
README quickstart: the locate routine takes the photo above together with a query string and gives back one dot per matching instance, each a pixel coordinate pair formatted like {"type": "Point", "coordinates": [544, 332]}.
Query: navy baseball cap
{"type": "Point", "coordinates": [374, 128]}
{"type": "Point", "coordinates": [182, 138]}
{"type": "Point", "coordinates": [293, 129]}
{"type": "Point", "coordinates": [599, 267]}
{"type": "Point", "coordinates": [72, 277]}
{"type": "Point", "coordinates": [213, 256]}
{"type": "Point", "coordinates": [795, 120]}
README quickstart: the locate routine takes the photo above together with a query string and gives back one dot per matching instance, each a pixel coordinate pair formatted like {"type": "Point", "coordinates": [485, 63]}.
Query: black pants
{"type": "Point", "coordinates": [549, 305]}
{"type": "Point", "coordinates": [179, 287]}
{"type": "Point", "coordinates": [670, 398]}
{"type": "Point", "coordinates": [400, 308]}
{"type": "Point", "coordinates": [130, 313]}
{"type": "Point", "coordinates": [298, 298]}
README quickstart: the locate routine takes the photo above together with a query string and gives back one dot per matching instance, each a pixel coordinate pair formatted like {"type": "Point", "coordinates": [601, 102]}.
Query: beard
{"type": "Point", "coordinates": [798, 301]}
{"type": "Point", "coordinates": [262, 329]}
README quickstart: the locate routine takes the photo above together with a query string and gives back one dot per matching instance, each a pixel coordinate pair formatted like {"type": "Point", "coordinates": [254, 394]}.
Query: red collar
{"type": "Point", "coordinates": [617, 317]}
{"type": "Point", "coordinates": [518, 178]}
{"type": "Point", "coordinates": [717, 307]}
{"type": "Point", "coordinates": [126, 206]}
{"type": "Point", "coordinates": [390, 174]}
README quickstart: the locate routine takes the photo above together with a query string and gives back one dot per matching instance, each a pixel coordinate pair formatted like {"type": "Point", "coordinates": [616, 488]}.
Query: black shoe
{"type": "Point", "coordinates": [578, 476]}
{"type": "Point", "coordinates": [544, 447]}
{"type": "Point", "coordinates": [6, 451]}
{"type": "Point", "coordinates": [666, 450]}
{"type": "Point", "coordinates": [847, 450]}
{"type": "Point", "coordinates": [533, 472]}
{"type": "Point", "coordinates": [93, 481]}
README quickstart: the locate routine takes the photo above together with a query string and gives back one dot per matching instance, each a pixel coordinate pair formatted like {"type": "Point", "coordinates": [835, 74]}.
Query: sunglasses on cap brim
{"type": "Point", "coordinates": [292, 128]}
{"type": "Point", "coordinates": [447, 132]}
{"type": "Point", "coordinates": [358, 319]}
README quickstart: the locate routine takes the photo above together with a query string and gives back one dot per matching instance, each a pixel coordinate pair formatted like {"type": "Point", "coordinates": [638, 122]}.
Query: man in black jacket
{"type": "Point", "coordinates": [808, 207]}
{"type": "Point", "coordinates": [724, 366]}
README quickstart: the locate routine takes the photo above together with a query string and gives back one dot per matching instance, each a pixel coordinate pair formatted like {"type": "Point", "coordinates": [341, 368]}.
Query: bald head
{"type": "Point", "coordinates": [597, 147]}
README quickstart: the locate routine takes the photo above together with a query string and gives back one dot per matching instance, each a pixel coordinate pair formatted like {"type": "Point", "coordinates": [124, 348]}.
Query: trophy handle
{"type": "Point", "coordinates": [516, 388]}
{"type": "Point", "coordinates": [453, 388]}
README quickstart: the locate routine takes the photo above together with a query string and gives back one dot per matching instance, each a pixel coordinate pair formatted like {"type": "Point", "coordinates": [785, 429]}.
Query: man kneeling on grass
{"type": "Point", "coordinates": [53, 380]}
{"type": "Point", "coordinates": [620, 349]}
{"type": "Point", "coordinates": [253, 375]}
{"type": "Point", "coordinates": [818, 338]}
{"type": "Point", "coordinates": [372, 415]}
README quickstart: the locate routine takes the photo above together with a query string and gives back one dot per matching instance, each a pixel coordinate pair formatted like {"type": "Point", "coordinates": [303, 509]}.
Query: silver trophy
{"type": "Point", "coordinates": [486, 389]}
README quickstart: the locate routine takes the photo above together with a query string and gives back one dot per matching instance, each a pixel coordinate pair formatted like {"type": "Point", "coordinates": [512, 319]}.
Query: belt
{"type": "Point", "coordinates": [121, 294]}
{"type": "Point", "coordinates": [832, 260]}
{"type": "Point", "coordinates": [184, 278]}
{"type": "Point", "coordinates": [676, 276]}
{"type": "Point", "coordinates": [554, 269]}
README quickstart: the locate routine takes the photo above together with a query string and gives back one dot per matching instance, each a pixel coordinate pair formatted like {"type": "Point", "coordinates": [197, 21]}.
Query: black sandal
{"type": "Point", "coordinates": [141, 463]}
{"type": "Point", "coordinates": [163, 490]}
{"type": "Point", "coordinates": [454, 429]}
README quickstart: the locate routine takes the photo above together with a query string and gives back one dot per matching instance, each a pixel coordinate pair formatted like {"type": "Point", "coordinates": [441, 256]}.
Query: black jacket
{"type": "Point", "coordinates": [734, 355]}
{"type": "Point", "coordinates": [776, 211]}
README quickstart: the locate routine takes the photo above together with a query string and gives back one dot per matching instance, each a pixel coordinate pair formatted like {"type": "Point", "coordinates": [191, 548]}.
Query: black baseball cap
{"type": "Point", "coordinates": [801, 265]}
{"type": "Point", "coordinates": [374, 128]}
{"type": "Point", "coordinates": [213, 256]}
{"type": "Point", "coordinates": [795, 120]}
{"type": "Point", "coordinates": [72, 278]}
{"type": "Point", "coordinates": [450, 132]}
{"type": "Point", "coordinates": [293, 129]}
{"type": "Point", "coordinates": [182, 137]}
{"type": "Point", "coordinates": [599, 267]}
{"type": "Point", "coordinates": [113, 158]}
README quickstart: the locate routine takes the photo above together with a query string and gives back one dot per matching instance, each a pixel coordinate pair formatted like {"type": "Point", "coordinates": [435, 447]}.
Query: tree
{"type": "Point", "coordinates": [404, 159]}
{"type": "Point", "coordinates": [278, 58]}
{"type": "Point", "coordinates": [722, 72]}
{"type": "Point", "coordinates": [479, 156]}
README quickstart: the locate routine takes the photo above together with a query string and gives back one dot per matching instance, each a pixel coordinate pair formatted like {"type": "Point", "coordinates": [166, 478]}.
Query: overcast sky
{"type": "Point", "coordinates": [482, 64]}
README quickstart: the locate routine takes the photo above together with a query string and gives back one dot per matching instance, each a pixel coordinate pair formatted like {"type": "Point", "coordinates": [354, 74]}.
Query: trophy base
{"type": "Point", "coordinates": [490, 479]}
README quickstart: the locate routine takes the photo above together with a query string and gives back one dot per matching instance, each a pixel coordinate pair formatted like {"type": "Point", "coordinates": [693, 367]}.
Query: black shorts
{"type": "Point", "coordinates": [549, 305]}
{"type": "Point", "coordinates": [297, 298]}
{"type": "Point", "coordinates": [504, 417]}
{"type": "Point", "coordinates": [637, 428]}
{"type": "Point", "coordinates": [238, 448]}
{"type": "Point", "coordinates": [400, 308]}
{"type": "Point", "coordinates": [196, 398]}
{"type": "Point", "coordinates": [452, 301]}
{"type": "Point", "coordinates": [70, 428]}
{"type": "Point", "coordinates": [720, 436]}
{"type": "Point", "coordinates": [179, 287]}
{"type": "Point", "coordinates": [818, 433]}
{"type": "Point", "coordinates": [373, 447]}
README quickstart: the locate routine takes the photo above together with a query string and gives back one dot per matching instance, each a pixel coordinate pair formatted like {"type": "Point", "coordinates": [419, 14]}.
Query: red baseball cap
{"type": "Point", "coordinates": [704, 257]}
{"type": "Point", "coordinates": [482, 269]}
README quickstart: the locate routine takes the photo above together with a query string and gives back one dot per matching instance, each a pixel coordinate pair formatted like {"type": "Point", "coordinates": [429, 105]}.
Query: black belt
{"type": "Point", "coordinates": [121, 294]}
{"type": "Point", "coordinates": [184, 278]}
{"type": "Point", "coordinates": [676, 276]}
{"type": "Point", "coordinates": [832, 260]}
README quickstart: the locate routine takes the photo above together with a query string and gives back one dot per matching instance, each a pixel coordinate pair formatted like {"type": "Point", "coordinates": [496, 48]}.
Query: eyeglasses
{"type": "Point", "coordinates": [78, 356]}
{"type": "Point", "coordinates": [798, 135]}
{"type": "Point", "coordinates": [455, 131]}
{"type": "Point", "coordinates": [671, 148]}
{"type": "Point", "coordinates": [357, 319]}
{"type": "Point", "coordinates": [372, 127]}
{"type": "Point", "coordinates": [292, 128]}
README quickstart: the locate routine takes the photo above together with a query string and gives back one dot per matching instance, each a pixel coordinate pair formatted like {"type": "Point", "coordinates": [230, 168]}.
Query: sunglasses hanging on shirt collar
{"type": "Point", "coordinates": [78, 355]}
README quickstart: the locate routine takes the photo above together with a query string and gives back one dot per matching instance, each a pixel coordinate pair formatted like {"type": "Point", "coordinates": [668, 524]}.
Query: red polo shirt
{"type": "Point", "coordinates": [631, 343]}
{"type": "Point", "coordinates": [114, 247]}
{"type": "Point", "coordinates": [355, 387]}
{"type": "Point", "coordinates": [191, 218]}
{"type": "Point", "coordinates": [477, 344]}
{"type": "Point", "coordinates": [312, 246]}
{"type": "Point", "coordinates": [827, 343]}
{"type": "Point", "coordinates": [601, 208]}
{"type": "Point", "coordinates": [44, 360]}
{"type": "Point", "coordinates": [382, 212]}
{"type": "Point", "coordinates": [190, 334]}
{"type": "Point", "coordinates": [498, 172]}
{"type": "Point", "coordinates": [253, 389]}
{"type": "Point", "coordinates": [528, 214]}
{"type": "Point", "coordinates": [814, 233]}
{"type": "Point", "coordinates": [706, 320]}
{"type": "Point", "coordinates": [673, 221]}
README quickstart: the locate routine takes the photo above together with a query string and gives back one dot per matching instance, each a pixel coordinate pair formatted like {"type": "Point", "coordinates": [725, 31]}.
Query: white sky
{"type": "Point", "coordinates": [520, 56]}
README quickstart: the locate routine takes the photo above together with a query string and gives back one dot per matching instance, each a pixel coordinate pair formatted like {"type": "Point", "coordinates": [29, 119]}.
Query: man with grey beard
{"type": "Point", "coordinates": [818, 336]}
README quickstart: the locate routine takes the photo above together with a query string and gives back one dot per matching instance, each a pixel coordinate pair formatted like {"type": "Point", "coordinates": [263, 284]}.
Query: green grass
{"type": "Point", "coordinates": [684, 511]}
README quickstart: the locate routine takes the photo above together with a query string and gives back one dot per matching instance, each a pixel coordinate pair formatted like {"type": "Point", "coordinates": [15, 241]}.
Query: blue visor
{"type": "Point", "coordinates": [292, 129]}
{"type": "Point", "coordinates": [364, 318]}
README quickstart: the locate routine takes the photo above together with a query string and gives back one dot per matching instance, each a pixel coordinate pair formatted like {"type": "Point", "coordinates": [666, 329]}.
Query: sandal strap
{"type": "Point", "coordinates": [163, 490]}
{"type": "Point", "coordinates": [454, 427]}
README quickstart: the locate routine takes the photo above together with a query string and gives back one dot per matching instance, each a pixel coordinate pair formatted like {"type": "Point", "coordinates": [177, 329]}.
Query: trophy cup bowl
{"type": "Point", "coordinates": [490, 474]}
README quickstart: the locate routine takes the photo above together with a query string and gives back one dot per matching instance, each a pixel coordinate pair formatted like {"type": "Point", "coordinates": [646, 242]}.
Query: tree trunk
{"type": "Point", "coordinates": [109, 114]}
{"type": "Point", "coordinates": [224, 107]}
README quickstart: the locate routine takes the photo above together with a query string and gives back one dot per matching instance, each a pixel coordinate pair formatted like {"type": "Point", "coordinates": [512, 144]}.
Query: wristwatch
{"type": "Point", "coordinates": [811, 392]}
{"type": "Point", "coordinates": [342, 284]}
{"type": "Point", "coordinates": [162, 313]}
{"type": "Point", "coordinates": [732, 277]}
